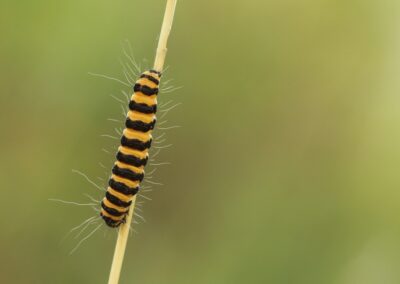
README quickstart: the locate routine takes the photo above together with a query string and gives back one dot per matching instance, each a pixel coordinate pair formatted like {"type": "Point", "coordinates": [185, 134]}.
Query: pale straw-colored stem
{"type": "Point", "coordinates": [123, 232]}
{"type": "Point", "coordinates": [119, 252]}
{"type": "Point", "coordinates": [165, 30]}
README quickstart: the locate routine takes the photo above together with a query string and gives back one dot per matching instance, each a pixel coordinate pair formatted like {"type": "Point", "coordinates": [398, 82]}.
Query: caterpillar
{"type": "Point", "coordinates": [132, 154]}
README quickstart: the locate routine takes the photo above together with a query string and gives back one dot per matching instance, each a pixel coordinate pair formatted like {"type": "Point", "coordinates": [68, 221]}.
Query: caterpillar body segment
{"type": "Point", "coordinates": [132, 155]}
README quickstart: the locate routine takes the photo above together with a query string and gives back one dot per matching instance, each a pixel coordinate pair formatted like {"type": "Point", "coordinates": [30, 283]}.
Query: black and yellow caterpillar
{"type": "Point", "coordinates": [132, 155]}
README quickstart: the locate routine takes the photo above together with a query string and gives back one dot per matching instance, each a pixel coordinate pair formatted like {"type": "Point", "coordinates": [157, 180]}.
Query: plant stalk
{"type": "Point", "coordinates": [123, 232]}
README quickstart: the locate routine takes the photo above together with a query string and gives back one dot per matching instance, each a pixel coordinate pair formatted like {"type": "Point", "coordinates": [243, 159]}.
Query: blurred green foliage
{"type": "Point", "coordinates": [286, 169]}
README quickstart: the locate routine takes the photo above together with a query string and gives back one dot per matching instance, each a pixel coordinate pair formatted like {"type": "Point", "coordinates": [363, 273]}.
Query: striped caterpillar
{"type": "Point", "coordinates": [132, 155]}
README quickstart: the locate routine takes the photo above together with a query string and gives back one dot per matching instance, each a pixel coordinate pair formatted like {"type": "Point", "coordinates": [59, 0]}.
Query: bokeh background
{"type": "Point", "coordinates": [285, 169]}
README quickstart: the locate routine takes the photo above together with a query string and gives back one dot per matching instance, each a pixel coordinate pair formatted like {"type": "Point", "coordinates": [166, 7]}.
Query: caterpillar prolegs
{"type": "Point", "coordinates": [132, 155]}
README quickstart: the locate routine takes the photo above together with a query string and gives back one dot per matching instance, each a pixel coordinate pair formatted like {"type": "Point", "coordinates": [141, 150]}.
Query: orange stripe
{"type": "Point", "coordinates": [136, 153]}
{"type": "Point", "coordinates": [154, 75]}
{"type": "Point", "coordinates": [148, 100]}
{"type": "Point", "coordinates": [133, 134]}
{"type": "Point", "coordinates": [147, 82]}
{"type": "Point", "coordinates": [125, 181]}
{"type": "Point", "coordinates": [139, 170]}
{"type": "Point", "coordinates": [125, 198]}
{"type": "Point", "coordinates": [145, 117]}
{"type": "Point", "coordinates": [111, 205]}
{"type": "Point", "coordinates": [115, 218]}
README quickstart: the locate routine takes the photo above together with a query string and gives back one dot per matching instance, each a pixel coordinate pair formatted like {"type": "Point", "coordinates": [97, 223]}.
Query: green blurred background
{"type": "Point", "coordinates": [285, 169]}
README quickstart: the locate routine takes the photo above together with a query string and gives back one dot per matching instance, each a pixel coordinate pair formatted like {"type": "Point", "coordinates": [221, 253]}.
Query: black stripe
{"type": "Point", "coordinates": [131, 160]}
{"type": "Point", "coordinates": [155, 72]}
{"type": "Point", "coordinates": [127, 173]}
{"type": "Point", "coordinates": [150, 78]}
{"type": "Point", "coordinates": [135, 144]}
{"type": "Point", "coordinates": [112, 223]}
{"type": "Point", "coordinates": [143, 108]}
{"type": "Point", "coordinates": [139, 125]}
{"type": "Point", "coordinates": [122, 188]}
{"type": "Point", "coordinates": [112, 211]}
{"type": "Point", "coordinates": [116, 201]}
{"type": "Point", "coordinates": [146, 90]}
